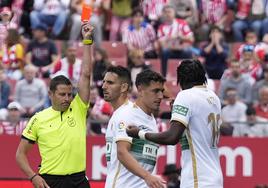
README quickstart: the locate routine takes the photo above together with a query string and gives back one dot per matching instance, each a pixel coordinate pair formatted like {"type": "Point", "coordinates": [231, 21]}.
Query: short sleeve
{"type": "Point", "coordinates": [83, 107]}
{"type": "Point", "coordinates": [30, 132]}
{"type": "Point", "coordinates": [120, 131]}
{"type": "Point", "coordinates": [181, 110]}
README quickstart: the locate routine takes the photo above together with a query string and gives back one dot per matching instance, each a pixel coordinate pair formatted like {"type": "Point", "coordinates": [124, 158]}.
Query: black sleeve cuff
{"type": "Point", "coordinates": [29, 140]}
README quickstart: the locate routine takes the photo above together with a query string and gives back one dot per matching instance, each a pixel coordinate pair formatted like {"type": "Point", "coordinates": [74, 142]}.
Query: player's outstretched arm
{"type": "Point", "coordinates": [169, 137]}
{"type": "Point", "coordinates": [86, 69]}
{"type": "Point", "coordinates": [133, 166]}
{"type": "Point", "coordinates": [21, 158]}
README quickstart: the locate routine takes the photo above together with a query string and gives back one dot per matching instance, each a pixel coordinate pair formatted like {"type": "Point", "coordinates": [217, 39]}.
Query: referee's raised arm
{"type": "Point", "coordinates": [86, 69]}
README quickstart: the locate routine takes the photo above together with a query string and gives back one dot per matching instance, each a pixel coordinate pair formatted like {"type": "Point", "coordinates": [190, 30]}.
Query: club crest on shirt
{"type": "Point", "coordinates": [122, 126]}
{"type": "Point", "coordinates": [71, 122]}
{"type": "Point", "coordinates": [178, 109]}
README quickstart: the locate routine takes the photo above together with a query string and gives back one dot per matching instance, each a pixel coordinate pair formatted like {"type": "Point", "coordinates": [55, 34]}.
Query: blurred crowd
{"type": "Point", "coordinates": [40, 39]}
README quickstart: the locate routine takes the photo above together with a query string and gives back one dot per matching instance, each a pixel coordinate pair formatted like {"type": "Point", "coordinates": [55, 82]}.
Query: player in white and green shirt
{"type": "Point", "coordinates": [195, 122]}
{"type": "Point", "coordinates": [130, 162]}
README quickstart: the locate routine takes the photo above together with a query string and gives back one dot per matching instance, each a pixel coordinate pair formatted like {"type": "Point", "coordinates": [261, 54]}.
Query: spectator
{"type": "Point", "coordinates": [136, 64]}
{"type": "Point", "coordinates": [175, 38]}
{"type": "Point", "coordinates": [249, 14]}
{"type": "Point", "coordinates": [260, 84]}
{"type": "Point", "coordinates": [96, 20]}
{"type": "Point", "coordinates": [70, 66]}
{"type": "Point", "coordinates": [172, 174]}
{"type": "Point", "coordinates": [261, 49]}
{"type": "Point", "coordinates": [4, 94]}
{"type": "Point", "coordinates": [52, 13]}
{"type": "Point", "coordinates": [253, 127]}
{"type": "Point", "coordinates": [5, 24]}
{"type": "Point", "coordinates": [121, 11]}
{"type": "Point", "coordinates": [100, 112]}
{"type": "Point", "coordinates": [140, 35]}
{"type": "Point", "coordinates": [30, 92]}
{"type": "Point", "coordinates": [250, 65]}
{"type": "Point", "coordinates": [100, 66]}
{"type": "Point", "coordinates": [16, 9]}
{"type": "Point", "coordinates": [237, 80]}
{"type": "Point", "coordinates": [187, 10]}
{"type": "Point", "coordinates": [262, 106]}
{"type": "Point", "coordinates": [41, 51]}
{"type": "Point", "coordinates": [153, 10]}
{"type": "Point", "coordinates": [25, 23]}
{"type": "Point", "coordinates": [215, 54]}
{"type": "Point", "coordinates": [213, 12]}
{"type": "Point", "coordinates": [13, 124]}
{"type": "Point", "coordinates": [13, 55]}
{"type": "Point", "coordinates": [234, 111]}
{"type": "Point", "coordinates": [251, 38]}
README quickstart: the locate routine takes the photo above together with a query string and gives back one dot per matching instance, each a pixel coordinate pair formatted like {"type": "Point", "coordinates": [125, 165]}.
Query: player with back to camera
{"type": "Point", "coordinates": [195, 122]}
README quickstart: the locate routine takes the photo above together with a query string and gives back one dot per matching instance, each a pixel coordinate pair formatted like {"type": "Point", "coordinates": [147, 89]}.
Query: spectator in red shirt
{"type": "Point", "coordinates": [212, 12]}
{"type": "Point", "coordinates": [100, 112]}
{"type": "Point", "coordinates": [152, 10]}
{"type": "Point", "coordinates": [251, 38]}
{"type": "Point", "coordinates": [70, 66]}
{"type": "Point", "coordinates": [174, 37]}
{"type": "Point", "coordinates": [13, 124]}
{"type": "Point", "coordinates": [140, 35]}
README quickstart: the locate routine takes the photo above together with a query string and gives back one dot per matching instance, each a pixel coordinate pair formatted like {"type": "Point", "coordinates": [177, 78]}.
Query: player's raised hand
{"type": "Point", "coordinates": [155, 182]}
{"type": "Point", "coordinates": [87, 30]}
{"type": "Point", "coordinates": [133, 131]}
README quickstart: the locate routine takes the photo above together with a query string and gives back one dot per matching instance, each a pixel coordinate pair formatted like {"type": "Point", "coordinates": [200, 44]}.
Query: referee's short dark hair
{"type": "Point", "coordinates": [57, 81]}
{"type": "Point", "coordinates": [147, 76]}
{"type": "Point", "coordinates": [123, 73]}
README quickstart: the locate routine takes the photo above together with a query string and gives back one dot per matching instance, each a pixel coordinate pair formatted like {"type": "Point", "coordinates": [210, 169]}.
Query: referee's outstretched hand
{"type": "Point", "coordinates": [39, 182]}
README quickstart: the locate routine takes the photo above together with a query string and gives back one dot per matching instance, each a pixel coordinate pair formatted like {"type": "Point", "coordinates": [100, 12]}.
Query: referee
{"type": "Point", "coordinates": [60, 131]}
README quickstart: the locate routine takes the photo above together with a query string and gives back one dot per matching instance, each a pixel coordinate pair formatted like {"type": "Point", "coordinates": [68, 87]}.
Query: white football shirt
{"type": "Point", "coordinates": [199, 110]}
{"type": "Point", "coordinates": [145, 152]}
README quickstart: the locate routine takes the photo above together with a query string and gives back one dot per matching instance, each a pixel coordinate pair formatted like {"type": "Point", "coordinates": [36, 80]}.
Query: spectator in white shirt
{"type": "Point", "coordinates": [52, 13]}
{"type": "Point", "coordinates": [234, 111]}
{"type": "Point", "coordinates": [254, 126]}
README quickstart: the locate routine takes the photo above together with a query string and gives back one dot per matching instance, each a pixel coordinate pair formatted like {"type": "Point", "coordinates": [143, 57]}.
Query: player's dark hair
{"type": "Point", "coordinates": [190, 73]}
{"type": "Point", "coordinates": [57, 81]}
{"type": "Point", "coordinates": [123, 74]}
{"type": "Point", "coordinates": [145, 77]}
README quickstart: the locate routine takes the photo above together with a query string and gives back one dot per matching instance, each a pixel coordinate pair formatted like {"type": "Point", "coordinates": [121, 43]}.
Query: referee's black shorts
{"type": "Point", "coordinates": [77, 180]}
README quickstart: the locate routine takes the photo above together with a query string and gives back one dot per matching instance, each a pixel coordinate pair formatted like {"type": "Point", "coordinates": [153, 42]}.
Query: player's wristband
{"type": "Point", "coordinates": [31, 179]}
{"type": "Point", "coordinates": [88, 41]}
{"type": "Point", "coordinates": [142, 134]}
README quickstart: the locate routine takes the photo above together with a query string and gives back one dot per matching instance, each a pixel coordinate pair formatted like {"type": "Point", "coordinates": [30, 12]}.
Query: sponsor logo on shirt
{"type": "Point", "coordinates": [182, 110]}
